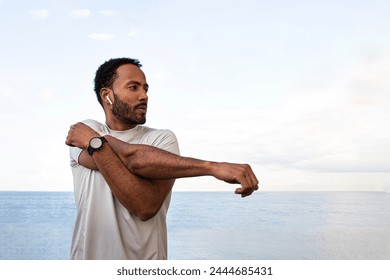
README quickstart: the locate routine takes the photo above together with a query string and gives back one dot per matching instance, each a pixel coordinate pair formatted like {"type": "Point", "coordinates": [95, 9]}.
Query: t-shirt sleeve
{"type": "Point", "coordinates": [166, 140]}
{"type": "Point", "coordinates": [75, 152]}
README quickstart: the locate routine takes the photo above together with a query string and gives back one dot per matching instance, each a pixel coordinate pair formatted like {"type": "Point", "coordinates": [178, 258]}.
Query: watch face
{"type": "Point", "coordinates": [96, 143]}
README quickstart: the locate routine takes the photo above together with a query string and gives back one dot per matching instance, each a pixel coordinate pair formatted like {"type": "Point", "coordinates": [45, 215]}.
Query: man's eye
{"type": "Point", "coordinates": [133, 87]}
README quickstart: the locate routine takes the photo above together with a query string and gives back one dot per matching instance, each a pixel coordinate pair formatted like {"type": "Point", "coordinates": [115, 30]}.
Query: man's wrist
{"type": "Point", "coordinates": [88, 140]}
{"type": "Point", "coordinates": [95, 144]}
{"type": "Point", "coordinates": [209, 168]}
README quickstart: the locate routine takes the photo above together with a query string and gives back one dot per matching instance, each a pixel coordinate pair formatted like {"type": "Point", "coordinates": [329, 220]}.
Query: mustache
{"type": "Point", "coordinates": [143, 105]}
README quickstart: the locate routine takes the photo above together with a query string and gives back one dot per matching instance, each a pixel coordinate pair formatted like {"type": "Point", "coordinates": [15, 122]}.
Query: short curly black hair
{"type": "Point", "coordinates": [106, 73]}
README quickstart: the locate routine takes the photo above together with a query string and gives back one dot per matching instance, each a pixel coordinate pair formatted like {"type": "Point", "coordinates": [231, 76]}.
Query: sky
{"type": "Point", "coordinates": [300, 90]}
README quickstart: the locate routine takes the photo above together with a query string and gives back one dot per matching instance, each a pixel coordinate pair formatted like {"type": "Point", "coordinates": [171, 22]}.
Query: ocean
{"type": "Point", "coordinates": [219, 225]}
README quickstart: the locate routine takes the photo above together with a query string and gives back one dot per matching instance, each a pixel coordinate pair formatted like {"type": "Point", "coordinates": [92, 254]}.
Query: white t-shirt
{"type": "Point", "coordinates": [104, 229]}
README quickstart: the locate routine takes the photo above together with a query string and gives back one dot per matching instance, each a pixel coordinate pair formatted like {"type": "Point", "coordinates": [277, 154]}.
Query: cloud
{"type": "Point", "coordinates": [320, 131]}
{"type": "Point", "coordinates": [297, 145]}
{"type": "Point", "coordinates": [101, 36]}
{"type": "Point", "coordinates": [81, 14]}
{"type": "Point", "coordinates": [107, 13]}
{"type": "Point", "coordinates": [132, 34]}
{"type": "Point", "coordinates": [39, 14]}
{"type": "Point", "coordinates": [369, 86]}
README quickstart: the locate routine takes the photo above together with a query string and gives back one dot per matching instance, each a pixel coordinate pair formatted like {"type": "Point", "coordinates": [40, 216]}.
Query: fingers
{"type": "Point", "coordinates": [75, 135]}
{"type": "Point", "coordinates": [248, 181]}
{"type": "Point", "coordinates": [68, 137]}
{"type": "Point", "coordinates": [80, 134]}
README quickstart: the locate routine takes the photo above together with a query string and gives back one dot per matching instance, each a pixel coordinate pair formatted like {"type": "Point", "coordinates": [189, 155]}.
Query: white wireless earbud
{"type": "Point", "coordinates": [109, 100]}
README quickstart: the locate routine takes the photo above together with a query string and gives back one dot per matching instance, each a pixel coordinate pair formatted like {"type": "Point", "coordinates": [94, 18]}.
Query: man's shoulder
{"type": "Point", "coordinates": [99, 127]}
{"type": "Point", "coordinates": [92, 123]}
{"type": "Point", "coordinates": [155, 131]}
{"type": "Point", "coordinates": [161, 138]}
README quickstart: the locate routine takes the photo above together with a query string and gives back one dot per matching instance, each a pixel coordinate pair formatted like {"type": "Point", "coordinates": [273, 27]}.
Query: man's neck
{"type": "Point", "coordinates": [118, 126]}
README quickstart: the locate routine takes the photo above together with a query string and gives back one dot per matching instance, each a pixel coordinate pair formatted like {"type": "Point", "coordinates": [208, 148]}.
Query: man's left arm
{"type": "Point", "coordinates": [153, 163]}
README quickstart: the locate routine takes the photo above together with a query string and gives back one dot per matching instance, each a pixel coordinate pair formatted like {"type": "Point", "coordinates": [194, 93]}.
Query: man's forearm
{"type": "Point", "coordinates": [138, 195]}
{"type": "Point", "coordinates": [153, 163]}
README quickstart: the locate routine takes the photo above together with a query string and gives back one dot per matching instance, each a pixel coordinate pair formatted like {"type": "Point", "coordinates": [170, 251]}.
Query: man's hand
{"type": "Point", "coordinates": [79, 135]}
{"type": "Point", "coordinates": [237, 174]}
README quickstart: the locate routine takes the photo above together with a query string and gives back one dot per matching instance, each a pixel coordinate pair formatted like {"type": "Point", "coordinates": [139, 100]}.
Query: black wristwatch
{"type": "Point", "coordinates": [95, 144]}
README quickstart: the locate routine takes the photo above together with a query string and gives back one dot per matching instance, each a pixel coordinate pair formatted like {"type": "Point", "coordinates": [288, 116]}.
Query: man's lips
{"type": "Point", "coordinates": [142, 107]}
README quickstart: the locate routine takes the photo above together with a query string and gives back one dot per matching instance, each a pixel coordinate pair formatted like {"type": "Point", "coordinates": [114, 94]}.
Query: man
{"type": "Point", "coordinates": [123, 172]}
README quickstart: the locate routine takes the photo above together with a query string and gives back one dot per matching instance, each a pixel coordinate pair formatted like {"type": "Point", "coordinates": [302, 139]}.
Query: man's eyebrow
{"type": "Point", "coordinates": [135, 82]}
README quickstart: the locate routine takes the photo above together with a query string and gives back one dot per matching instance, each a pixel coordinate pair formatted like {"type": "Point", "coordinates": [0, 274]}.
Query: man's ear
{"type": "Point", "coordinates": [105, 95]}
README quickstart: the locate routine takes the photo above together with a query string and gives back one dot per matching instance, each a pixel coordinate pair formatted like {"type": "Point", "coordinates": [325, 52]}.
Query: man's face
{"type": "Point", "coordinates": [130, 95]}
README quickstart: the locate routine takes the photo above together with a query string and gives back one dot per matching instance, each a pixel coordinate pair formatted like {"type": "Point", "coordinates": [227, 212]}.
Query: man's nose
{"type": "Point", "coordinates": [143, 95]}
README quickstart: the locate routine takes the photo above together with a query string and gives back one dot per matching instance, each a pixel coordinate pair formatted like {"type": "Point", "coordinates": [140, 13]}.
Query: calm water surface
{"type": "Point", "coordinates": [219, 225]}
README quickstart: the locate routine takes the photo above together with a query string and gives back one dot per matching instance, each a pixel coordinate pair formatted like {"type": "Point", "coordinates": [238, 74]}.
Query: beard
{"type": "Point", "coordinates": [126, 113]}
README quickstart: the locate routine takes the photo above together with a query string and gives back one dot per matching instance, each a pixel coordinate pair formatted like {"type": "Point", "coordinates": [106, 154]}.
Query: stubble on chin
{"type": "Point", "coordinates": [126, 113]}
